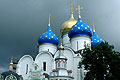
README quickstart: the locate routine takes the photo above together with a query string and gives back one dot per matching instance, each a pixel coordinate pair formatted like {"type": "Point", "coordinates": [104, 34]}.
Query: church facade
{"type": "Point", "coordinates": [54, 63]}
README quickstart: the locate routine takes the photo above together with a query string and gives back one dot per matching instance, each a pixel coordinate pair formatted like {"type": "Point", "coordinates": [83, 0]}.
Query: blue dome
{"type": "Point", "coordinates": [48, 37]}
{"type": "Point", "coordinates": [80, 28]}
{"type": "Point", "coordinates": [95, 39]}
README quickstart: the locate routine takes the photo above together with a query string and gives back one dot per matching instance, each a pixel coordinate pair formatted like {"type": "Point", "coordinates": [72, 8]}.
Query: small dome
{"type": "Point", "coordinates": [48, 37]}
{"type": "Point", "coordinates": [67, 25]}
{"type": "Point", "coordinates": [95, 39]}
{"type": "Point", "coordinates": [79, 29]}
{"type": "Point", "coordinates": [10, 74]}
{"type": "Point", "coordinates": [60, 57]}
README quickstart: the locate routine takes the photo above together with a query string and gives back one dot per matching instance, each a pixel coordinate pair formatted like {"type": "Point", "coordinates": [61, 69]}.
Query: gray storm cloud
{"type": "Point", "coordinates": [22, 21]}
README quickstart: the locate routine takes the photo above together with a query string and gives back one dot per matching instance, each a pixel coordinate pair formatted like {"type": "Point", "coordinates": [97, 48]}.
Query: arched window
{"type": "Point", "coordinates": [26, 68]}
{"type": "Point", "coordinates": [44, 66]}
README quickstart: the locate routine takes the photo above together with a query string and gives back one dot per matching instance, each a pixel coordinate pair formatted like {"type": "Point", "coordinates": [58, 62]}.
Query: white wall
{"type": "Point", "coordinates": [45, 57]}
{"type": "Point", "coordinates": [66, 40]}
{"type": "Point", "coordinates": [22, 66]}
{"type": "Point", "coordinates": [76, 72]}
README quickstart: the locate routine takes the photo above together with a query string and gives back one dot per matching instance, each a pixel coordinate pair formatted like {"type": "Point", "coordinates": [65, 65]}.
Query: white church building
{"type": "Point", "coordinates": [59, 63]}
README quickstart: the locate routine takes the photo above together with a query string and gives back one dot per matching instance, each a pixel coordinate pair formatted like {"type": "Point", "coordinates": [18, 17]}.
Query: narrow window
{"type": "Point", "coordinates": [59, 65]}
{"type": "Point", "coordinates": [84, 43]}
{"type": "Point", "coordinates": [44, 66]}
{"type": "Point", "coordinates": [77, 45]}
{"type": "Point", "coordinates": [26, 68]}
{"type": "Point", "coordinates": [48, 50]}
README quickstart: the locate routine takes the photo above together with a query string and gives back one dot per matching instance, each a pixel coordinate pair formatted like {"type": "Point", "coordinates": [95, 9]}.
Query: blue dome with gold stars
{"type": "Point", "coordinates": [48, 37]}
{"type": "Point", "coordinates": [95, 39]}
{"type": "Point", "coordinates": [80, 29]}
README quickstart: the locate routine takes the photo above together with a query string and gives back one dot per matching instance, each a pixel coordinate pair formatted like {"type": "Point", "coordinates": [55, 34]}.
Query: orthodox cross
{"type": "Point", "coordinates": [71, 6]}
{"type": "Point", "coordinates": [93, 24]}
{"type": "Point", "coordinates": [79, 9]}
{"type": "Point", "coordinates": [49, 20]}
{"type": "Point", "coordinates": [11, 59]}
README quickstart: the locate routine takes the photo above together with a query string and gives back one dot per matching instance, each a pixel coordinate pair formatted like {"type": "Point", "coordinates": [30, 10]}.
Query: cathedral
{"type": "Point", "coordinates": [57, 58]}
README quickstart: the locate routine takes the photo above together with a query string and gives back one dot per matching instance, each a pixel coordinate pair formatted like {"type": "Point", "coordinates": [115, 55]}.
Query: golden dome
{"type": "Point", "coordinates": [67, 25]}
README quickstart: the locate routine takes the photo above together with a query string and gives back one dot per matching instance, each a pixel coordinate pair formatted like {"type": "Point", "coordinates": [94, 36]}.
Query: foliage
{"type": "Point", "coordinates": [101, 62]}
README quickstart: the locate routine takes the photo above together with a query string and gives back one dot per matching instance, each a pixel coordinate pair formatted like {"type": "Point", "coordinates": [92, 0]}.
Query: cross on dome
{"type": "Point", "coordinates": [93, 24]}
{"type": "Point", "coordinates": [11, 62]}
{"type": "Point", "coordinates": [72, 7]}
{"type": "Point", "coordinates": [49, 20]}
{"type": "Point", "coordinates": [79, 9]}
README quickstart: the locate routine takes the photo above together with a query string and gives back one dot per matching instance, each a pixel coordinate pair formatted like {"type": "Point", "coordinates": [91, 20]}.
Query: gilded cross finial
{"type": "Point", "coordinates": [11, 62]}
{"type": "Point", "coordinates": [79, 9]}
{"type": "Point", "coordinates": [71, 6]}
{"type": "Point", "coordinates": [93, 24]}
{"type": "Point", "coordinates": [61, 47]}
{"type": "Point", "coordinates": [49, 20]}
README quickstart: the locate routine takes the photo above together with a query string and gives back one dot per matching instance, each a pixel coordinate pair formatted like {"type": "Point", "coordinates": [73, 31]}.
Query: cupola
{"type": "Point", "coordinates": [95, 38]}
{"type": "Point", "coordinates": [48, 36]}
{"type": "Point", "coordinates": [80, 28]}
{"type": "Point", "coordinates": [69, 23]}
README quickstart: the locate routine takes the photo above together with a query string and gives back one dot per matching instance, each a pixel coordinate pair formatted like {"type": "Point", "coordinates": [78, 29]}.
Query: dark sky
{"type": "Point", "coordinates": [22, 21]}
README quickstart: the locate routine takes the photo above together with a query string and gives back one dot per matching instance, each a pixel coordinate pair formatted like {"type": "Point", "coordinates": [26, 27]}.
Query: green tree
{"type": "Point", "coordinates": [101, 62]}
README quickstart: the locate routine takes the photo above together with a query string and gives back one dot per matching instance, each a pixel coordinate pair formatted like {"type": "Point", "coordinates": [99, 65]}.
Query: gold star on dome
{"type": "Point", "coordinates": [94, 39]}
{"type": "Point", "coordinates": [52, 36]}
{"type": "Point", "coordinates": [42, 38]}
{"type": "Point", "coordinates": [75, 31]}
{"type": "Point", "coordinates": [46, 36]}
{"type": "Point", "coordinates": [78, 27]}
{"type": "Point", "coordinates": [49, 38]}
{"type": "Point", "coordinates": [85, 27]}
{"type": "Point", "coordinates": [75, 25]}
{"type": "Point", "coordinates": [82, 30]}
{"type": "Point", "coordinates": [72, 28]}
{"type": "Point", "coordinates": [82, 25]}
{"type": "Point", "coordinates": [49, 33]}
{"type": "Point", "coordinates": [57, 38]}
{"type": "Point", "coordinates": [98, 41]}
